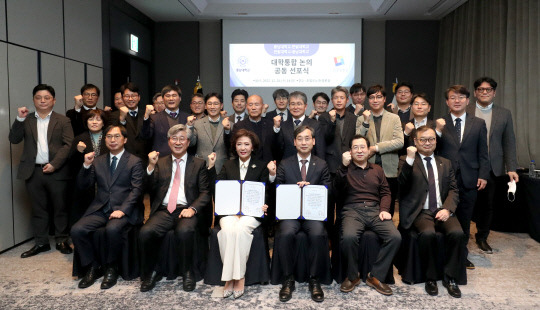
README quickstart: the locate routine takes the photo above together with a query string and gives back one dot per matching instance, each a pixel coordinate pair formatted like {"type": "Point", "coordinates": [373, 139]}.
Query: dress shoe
{"type": "Point", "coordinates": [188, 283]}
{"type": "Point", "coordinates": [238, 294]}
{"type": "Point", "coordinates": [91, 276]}
{"type": "Point", "coordinates": [150, 282]}
{"type": "Point", "coordinates": [452, 288]}
{"type": "Point", "coordinates": [288, 287]}
{"type": "Point", "coordinates": [317, 293]}
{"type": "Point", "coordinates": [431, 288]}
{"type": "Point", "coordinates": [64, 247]}
{"type": "Point", "coordinates": [110, 278]}
{"type": "Point", "coordinates": [36, 249]}
{"type": "Point", "coordinates": [484, 246]}
{"type": "Point", "coordinates": [378, 285]}
{"type": "Point", "coordinates": [227, 293]}
{"type": "Point", "coordinates": [348, 285]}
{"type": "Point", "coordinates": [469, 265]}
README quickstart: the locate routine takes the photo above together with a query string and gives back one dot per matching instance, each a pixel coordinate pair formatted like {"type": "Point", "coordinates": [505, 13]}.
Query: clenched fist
{"type": "Point", "coordinates": [22, 112]}
{"type": "Point", "coordinates": [265, 108]}
{"type": "Point", "coordinates": [190, 120]}
{"type": "Point", "coordinates": [411, 152]}
{"type": "Point", "coordinates": [211, 160]}
{"type": "Point", "coordinates": [408, 128]}
{"type": "Point", "coordinates": [78, 102]}
{"type": "Point", "coordinates": [277, 121]}
{"type": "Point", "coordinates": [440, 124]}
{"type": "Point", "coordinates": [346, 158]}
{"type": "Point", "coordinates": [149, 110]}
{"type": "Point", "coordinates": [153, 157]}
{"type": "Point", "coordinates": [89, 158]}
{"type": "Point", "coordinates": [366, 114]}
{"type": "Point", "coordinates": [123, 113]}
{"type": "Point", "coordinates": [332, 114]}
{"type": "Point", "coordinates": [81, 146]}
{"type": "Point", "coordinates": [226, 124]}
{"type": "Point", "coordinates": [272, 167]}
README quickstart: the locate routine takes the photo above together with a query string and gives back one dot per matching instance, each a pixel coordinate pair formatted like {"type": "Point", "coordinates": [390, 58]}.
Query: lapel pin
{"type": "Point", "coordinates": [253, 166]}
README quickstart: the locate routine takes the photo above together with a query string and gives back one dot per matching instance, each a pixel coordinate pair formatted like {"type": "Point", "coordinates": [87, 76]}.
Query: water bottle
{"type": "Point", "coordinates": [532, 168]}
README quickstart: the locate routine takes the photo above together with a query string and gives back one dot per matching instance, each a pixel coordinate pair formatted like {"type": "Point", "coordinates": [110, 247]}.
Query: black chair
{"type": "Point", "coordinates": [258, 264]}
{"type": "Point", "coordinates": [301, 273]}
{"type": "Point", "coordinates": [409, 264]}
{"type": "Point", "coordinates": [370, 246]}
{"type": "Point", "coordinates": [128, 265]}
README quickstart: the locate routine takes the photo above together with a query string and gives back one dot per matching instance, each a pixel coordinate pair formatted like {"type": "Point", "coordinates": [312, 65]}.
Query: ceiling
{"type": "Point", "coordinates": [190, 10]}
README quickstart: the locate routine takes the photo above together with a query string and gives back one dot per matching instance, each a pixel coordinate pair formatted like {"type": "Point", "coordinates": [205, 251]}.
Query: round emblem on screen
{"type": "Point", "coordinates": [242, 61]}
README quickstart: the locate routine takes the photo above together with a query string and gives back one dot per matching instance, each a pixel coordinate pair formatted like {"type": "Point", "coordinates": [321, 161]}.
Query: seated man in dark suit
{"type": "Point", "coordinates": [301, 169]}
{"type": "Point", "coordinates": [366, 205]}
{"type": "Point", "coordinates": [119, 179]}
{"type": "Point", "coordinates": [261, 126]}
{"type": "Point", "coordinates": [427, 202]}
{"type": "Point", "coordinates": [297, 108]}
{"type": "Point", "coordinates": [180, 194]}
{"type": "Point", "coordinates": [156, 125]}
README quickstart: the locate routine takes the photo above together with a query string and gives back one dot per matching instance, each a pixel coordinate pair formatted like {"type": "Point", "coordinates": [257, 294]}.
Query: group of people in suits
{"type": "Point", "coordinates": [353, 149]}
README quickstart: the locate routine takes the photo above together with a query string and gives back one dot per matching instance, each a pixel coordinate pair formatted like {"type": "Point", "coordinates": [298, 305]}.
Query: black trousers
{"type": "Point", "coordinates": [318, 245]}
{"type": "Point", "coordinates": [394, 188]}
{"type": "Point", "coordinates": [427, 226]}
{"type": "Point", "coordinates": [153, 231]}
{"type": "Point", "coordinates": [43, 190]}
{"type": "Point", "coordinates": [82, 233]}
{"type": "Point", "coordinates": [355, 220]}
{"type": "Point", "coordinates": [484, 206]}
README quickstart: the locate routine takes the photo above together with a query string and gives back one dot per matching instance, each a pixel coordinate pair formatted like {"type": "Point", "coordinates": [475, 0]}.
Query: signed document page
{"type": "Point", "coordinates": [315, 202]}
{"type": "Point", "coordinates": [253, 198]}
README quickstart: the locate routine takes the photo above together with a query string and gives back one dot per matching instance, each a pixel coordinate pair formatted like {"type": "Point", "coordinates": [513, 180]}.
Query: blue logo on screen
{"type": "Point", "coordinates": [338, 61]}
{"type": "Point", "coordinates": [242, 61]}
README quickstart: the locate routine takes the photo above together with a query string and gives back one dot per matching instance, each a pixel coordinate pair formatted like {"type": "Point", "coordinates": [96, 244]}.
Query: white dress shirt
{"type": "Point", "coordinates": [410, 161]}
{"type": "Point", "coordinates": [42, 156]}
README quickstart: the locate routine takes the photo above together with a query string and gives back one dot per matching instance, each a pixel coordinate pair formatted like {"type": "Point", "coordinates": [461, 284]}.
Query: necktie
{"type": "Point", "coordinates": [458, 128]}
{"type": "Point", "coordinates": [238, 118]}
{"type": "Point", "coordinates": [432, 205]}
{"type": "Point", "coordinates": [112, 168]}
{"type": "Point", "coordinates": [173, 114]}
{"type": "Point", "coordinates": [133, 113]}
{"type": "Point", "coordinates": [281, 114]}
{"type": "Point", "coordinates": [296, 122]}
{"type": "Point", "coordinates": [303, 170]}
{"type": "Point", "coordinates": [171, 206]}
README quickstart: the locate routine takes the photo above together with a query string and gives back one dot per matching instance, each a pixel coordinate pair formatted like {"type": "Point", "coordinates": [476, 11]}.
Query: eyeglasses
{"type": "Point", "coordinates": [90, 95]}
{"type": "Point", "coordinates": [282, 98]}
{"type": "Point", "coordinates": [47, 98]}
{"type": "Point", "coordinates": [403, 92]}
{"type": "Point", "coordinates": [110, 137]}
{"type": "Point", "coordinates": [459, 98]}
{"type": "Point", "coordinates": [425, 140]}
{"type": "Point", "coordinates": [373, 97]}
{"type": "Point", "coordinates": [176, 139]}
{"type": "Point", "coordinates": [213, 104]}
{"type": "Point", "coordinates": [296, 104]}
{"type": "Point", "coordinates": [174, 96]}
{"type": "Point", "coordinates": [197, 102]}
{"type": "Point", "coordinates": [487, 90]}
{"type": "Point", "coordinates": [420, 103]}
{"type": "Point", "coordinates": [321, 102]}
{"type": "Point", "coordinates": [306, 139]}
{"type": "Point", "coordinates": [134, 96]}
{"type": "Point", "coordinates": [359, 147]}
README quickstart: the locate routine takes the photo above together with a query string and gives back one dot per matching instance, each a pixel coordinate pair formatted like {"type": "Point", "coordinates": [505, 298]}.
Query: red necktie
{"type": "Point", "coordinates": [171, 206]}
{"type": "Point", "coordinates": [303, 170]}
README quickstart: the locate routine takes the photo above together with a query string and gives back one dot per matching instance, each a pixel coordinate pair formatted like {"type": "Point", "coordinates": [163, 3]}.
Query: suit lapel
{"type": "Point", "coordinates": [251, 173]}
{"type": "Point", "coordinates": [420, 165]}
{"type": "Point", "coordinates": [119, 167]}
{"type": "Point", "coordinates": [494, 120]}
{"type": "Point", "coordinates": [206, 125]}
{"type": "Point", "coordinates": [452, 129]}
{"type": "Point", "coordinates": [33, 126]}
{"type": "Point", "coordinates": [468, 126]}
{"type": "Point", "coordinates": [235, 173]}
{"type": "Point", "coordinates": [52, 123]}
{"type": "Point", "coordinates": [189, 172]}
{"type": "Point", "coordinates": [439, 173]}
{"type": "Point", "coordinates": [311, 169]}
{"type": "Point", "coordinates": [219, 133]}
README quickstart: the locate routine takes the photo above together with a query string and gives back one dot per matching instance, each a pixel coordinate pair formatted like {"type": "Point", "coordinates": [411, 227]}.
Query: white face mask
{"type": "Point", "coordinates": [511, 191]}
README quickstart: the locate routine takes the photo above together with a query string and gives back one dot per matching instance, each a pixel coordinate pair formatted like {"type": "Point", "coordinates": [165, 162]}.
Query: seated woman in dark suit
{"type": "Point", "coordinates": [235, 235]}
{"type": "Point", "coordinates": [91, 140]}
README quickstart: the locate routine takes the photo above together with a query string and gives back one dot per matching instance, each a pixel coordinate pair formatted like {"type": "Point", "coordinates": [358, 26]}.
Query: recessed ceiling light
{"type": "Point", "coordinates": [334, 13]}
{"type": "Point", "coordinates": [242, 13]}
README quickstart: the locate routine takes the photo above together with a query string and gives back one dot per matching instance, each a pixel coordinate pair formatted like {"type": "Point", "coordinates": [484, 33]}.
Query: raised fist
{"type": "Point", "coordinates": [153, 157]}
{"type": "Point", "coordinates": [123, 113]}
{"type": "Point", "coordinates": [411, 151]}
{"type": "Point", "coordinates": [408, 128]}
{"type": "Point", "coordinates": [313, 113]}
{"type": "Point", "coordinates": [89, 158]}
{"type": "Point", "coordinates": [78, 102]}
{"type": "Point", "coordinates": [346, 158]}
{"type": "Point", "coordinates": [366, 114]}
{"type": "Point", "coordinates": [22, 112]}
{"type": "Point", "coordinates": [265, 108]}
{"type": "Point", "coordinates": [277, 121]}
{"type": "Point", "coordinates": [81, 146]}
{"type": "Point", "coordinates": [149, 110]}
{"type": "Point", "coordinates": [440, 124]}
{"type": "Point", "coordinates": [332, 114]}
{"type": "Point", "coordinates": [226, 124]}
{"type": "Point", "coordinates": [272, 167]}
{"type": "Point", "coordinates": [223, 113]}
{"type": "Point", "coordinates": [211, 160]}
{"type": "Point", "coordinates": [358, 109]}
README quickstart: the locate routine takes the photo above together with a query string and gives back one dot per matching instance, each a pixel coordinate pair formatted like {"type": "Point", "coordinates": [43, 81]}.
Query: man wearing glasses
{"type": "Point", "coordinates": [463, 141]}
{"type": "Point", "coordinates": [84, 102]}
{"type": "Point", "coordinates": [156, 125]}
{"type": "Point", "coordinates": [502, 153]}
{"type": "Point", "coordinates": [404, 94]}
{"type": "Point", "coordinates": [420, 109]}
{"type": "Point", "coordinates": [385, 134]}
{"type": "Point", "coordinates": [119, 179]}
{"type": "Point", "coordinates": [428, 201]}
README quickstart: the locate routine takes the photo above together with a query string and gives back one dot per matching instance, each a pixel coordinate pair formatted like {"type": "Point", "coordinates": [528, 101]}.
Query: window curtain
{"type": "Point", "coordinates": [499, 39]}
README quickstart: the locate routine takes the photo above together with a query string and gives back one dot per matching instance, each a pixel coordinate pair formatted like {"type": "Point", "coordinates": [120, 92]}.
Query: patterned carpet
{"type": "Point", "coordinates": [507, 279]}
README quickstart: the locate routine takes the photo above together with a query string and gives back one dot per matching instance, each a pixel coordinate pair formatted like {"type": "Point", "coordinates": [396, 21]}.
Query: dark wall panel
{"type": "Point", "coordinates": [411, 54]}
{"type": "Point", "coordinates": [176, 51]}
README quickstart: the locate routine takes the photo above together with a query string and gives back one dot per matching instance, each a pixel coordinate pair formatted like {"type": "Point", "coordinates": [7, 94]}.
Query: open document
{"type": "Point", "coordinates": [239, 198]}
{"type": "Point", "coordinates": [307, 203]}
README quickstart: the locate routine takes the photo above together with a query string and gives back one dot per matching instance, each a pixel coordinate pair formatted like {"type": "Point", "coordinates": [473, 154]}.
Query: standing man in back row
{"type": "Point", "coordinates": [501, 143]}
{"type": "Point", "coordinates": [47, 139]}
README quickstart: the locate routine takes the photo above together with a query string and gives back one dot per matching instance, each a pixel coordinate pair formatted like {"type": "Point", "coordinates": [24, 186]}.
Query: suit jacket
{"type": "Point", "coordinates": [502, 141]}
{"type": "Point", "coordinates": [77, 120]}
{"type": "Point", "coordinates": [268, 141]}
{"type": "Point", "coordinates": [196, 186]}
{"type": "Point", "coordinates": [257, 172]}
{"type": "Point", "coordinates": [136, 143]}
{"type": "Point", "coordinates": [122, 191]}
{"type": "Point", "coordinates": [350, 108]}
{"type": "Point", "coordinates": [270, 115]}
{"type": "Point", "coordinates": [391, 142]}
{"type": "Point", "coordinates": [232, 118]}
{"type": "Point", "coordinates": [395, 111]}
{"type": "Point", "coordinates": [414, 188]}
{"type": "Point", "coordinates": [76, 158]}
{"type": "Point", "coordinates": [288, 172]}
{"type": "Point", "coordinates": [286, 138]}
{"type": "Point", "coordinates": [470, 156]}
{"type": "Point", "coordinates": [337, 143]}
{"type": "Point", "coordinates": [156, 128]}
{"type": "Point", "coordinates": [59, 137]}
{"type": "Point", "coordinates": [206, 143]}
